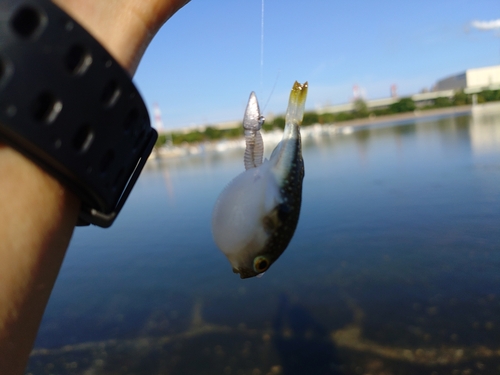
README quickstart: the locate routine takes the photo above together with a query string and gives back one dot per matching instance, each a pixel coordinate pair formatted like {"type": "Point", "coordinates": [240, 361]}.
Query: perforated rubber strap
{"type": "Point", "coordinates": [70, 107]}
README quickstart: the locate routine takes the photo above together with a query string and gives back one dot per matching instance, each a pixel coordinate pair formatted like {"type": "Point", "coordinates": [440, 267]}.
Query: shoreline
{"type": "Point", "coordinates": [423, 114]}
{"type": "Point", "coordinates": [273, 137]}
{"type": "Point", "coordinates": [417, 114]}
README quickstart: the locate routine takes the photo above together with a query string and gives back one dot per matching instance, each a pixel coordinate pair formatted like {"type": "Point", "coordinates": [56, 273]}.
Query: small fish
{"type": "Point", "coordinates": [255, 216]}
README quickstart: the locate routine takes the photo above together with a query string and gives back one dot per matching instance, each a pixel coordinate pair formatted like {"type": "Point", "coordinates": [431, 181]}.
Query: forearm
{"type": "Point", "coordinates": [37, 213]}
{"type": "Point", "coordinates": [37, 217]}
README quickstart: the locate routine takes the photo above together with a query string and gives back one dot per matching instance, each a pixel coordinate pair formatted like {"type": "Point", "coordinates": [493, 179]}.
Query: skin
{"type": "Point", "coordinates": [37, 213]}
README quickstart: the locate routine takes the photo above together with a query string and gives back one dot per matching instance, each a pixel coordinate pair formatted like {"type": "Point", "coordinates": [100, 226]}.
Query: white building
{"type": "Point", "coordinates": [471, 78]}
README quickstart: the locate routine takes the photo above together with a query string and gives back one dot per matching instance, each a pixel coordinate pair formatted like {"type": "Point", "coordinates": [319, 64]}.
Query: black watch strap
{"type": "Point", "coordinates": [70, 107]}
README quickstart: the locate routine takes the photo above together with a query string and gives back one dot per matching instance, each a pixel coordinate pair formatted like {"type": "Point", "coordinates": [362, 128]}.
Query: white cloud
{"type": "Point", "coordinates": [486, 25]}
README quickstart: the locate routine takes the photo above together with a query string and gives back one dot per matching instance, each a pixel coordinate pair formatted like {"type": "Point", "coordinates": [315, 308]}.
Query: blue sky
{"type": "Point", "coordinates": [206, 59]}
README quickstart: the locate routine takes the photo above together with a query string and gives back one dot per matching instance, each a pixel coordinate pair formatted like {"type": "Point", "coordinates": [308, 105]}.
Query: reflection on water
{"type": "Point", "coordinates": [302, 343]}
{"type": "Point", "coordinates": [484, 134]}
{"type": "Point", "coordinates": [394, 267]}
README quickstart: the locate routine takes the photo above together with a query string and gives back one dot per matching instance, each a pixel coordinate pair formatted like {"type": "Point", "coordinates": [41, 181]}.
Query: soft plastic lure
{"type": "Point", "coordinates": [255, 216]}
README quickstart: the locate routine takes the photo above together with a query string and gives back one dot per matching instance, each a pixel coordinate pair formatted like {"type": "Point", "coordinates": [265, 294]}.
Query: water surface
{"type": "Point", "coordinates": [394, 267]}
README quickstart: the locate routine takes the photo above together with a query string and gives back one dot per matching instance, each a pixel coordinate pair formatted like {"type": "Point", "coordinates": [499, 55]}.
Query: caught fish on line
{"type": "Point", "coordinates": [255, 216]}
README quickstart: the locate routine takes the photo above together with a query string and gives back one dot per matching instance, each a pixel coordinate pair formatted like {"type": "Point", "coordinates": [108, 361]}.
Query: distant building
{"type": "Point", "coordinates": [479, 77]}
{"type": "Point", "coordinates": [394, 91]}
{"type": "Point", "coordinates": [158, 122]}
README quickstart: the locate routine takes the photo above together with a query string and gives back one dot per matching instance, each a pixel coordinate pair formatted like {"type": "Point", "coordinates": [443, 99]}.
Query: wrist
{"type": "Point", "coordinates": [71, 108]}
{"type": "Point", "coordinates": [123, 27]}
{"type": "Point", "coordinates": [104, 20]}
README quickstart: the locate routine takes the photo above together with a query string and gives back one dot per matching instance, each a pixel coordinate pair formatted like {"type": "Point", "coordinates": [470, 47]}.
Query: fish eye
{"type": "Point", "coordinates": [260, 264]}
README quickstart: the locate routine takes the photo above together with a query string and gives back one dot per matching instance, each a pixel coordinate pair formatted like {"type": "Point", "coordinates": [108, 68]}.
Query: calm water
{"type": "Point", "coordinates": [394, 267]}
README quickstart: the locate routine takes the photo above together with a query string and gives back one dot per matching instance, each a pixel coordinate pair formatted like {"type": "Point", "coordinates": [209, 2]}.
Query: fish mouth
{"type": "Point", "coordinates": [245, 273]}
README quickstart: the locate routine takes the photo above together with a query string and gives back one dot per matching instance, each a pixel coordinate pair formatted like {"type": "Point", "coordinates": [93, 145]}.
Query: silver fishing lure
{"type": "Point", "coordinates": [255, 216]}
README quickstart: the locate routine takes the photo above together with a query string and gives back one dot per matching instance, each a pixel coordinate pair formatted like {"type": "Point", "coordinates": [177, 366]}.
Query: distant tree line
{"type": "Point", "coordinates": [360, 110]}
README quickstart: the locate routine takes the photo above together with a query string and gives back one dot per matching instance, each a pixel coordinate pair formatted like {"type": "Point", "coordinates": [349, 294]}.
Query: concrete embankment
{"type": "Point", "coordinates": [417, 114]}
{"type": "Point", "coordinates": [425, 114]}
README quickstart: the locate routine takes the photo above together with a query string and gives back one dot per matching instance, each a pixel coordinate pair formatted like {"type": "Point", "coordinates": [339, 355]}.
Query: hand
{"type": "Point", "coordinates": [37, 213]}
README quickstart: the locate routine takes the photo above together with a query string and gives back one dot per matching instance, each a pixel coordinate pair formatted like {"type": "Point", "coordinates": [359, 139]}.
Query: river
{"type": "Point", "coordinates": [394, 267]}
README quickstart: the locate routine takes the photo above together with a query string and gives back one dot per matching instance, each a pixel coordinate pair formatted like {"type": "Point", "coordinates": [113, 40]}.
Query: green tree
{"type": "Point", "coordinates": [360, 108]}
{"type": "Point", "coordinates": [344, 116]}
{"type": "Point", "coordinates": [267, 126]}
{"type": "Point", "coordinates": [442, 102]}
{"type": "Point", "coordinates": [460, 98]}
{"type": "Point", "coordinates": [213, 133]}
{"type": "Point", "coordinates": [491, 95]}
{"type": "Point", "coordinates": [382, 112]}
{"type": "Point", "coordinates": [162, 139]}
{"type": "Point", "coordinates": [310, 118]}
{"type": "Point", "coordinates": [403, 105]}
{"type": "Point", "coordinates": [480, 97]}
{"type": "Point", "coordinates": [326, 118]}
{"type": "Point", "coordinates": [279, 122]}
{"type": "Point", "coordinates": [234, 132]}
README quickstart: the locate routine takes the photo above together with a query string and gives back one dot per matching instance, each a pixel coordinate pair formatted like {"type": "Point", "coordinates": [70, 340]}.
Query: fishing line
{"type": "Point", "coordinates": [262, 60]}
{"type": "Point", "coordinates": [272, 90]}
{"type": "Point", "coordinates": [262, 46]}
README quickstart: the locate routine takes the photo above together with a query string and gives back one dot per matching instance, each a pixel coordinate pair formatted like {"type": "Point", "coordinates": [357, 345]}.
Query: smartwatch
{"type": "Point", "coordinates": [70, 107]}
